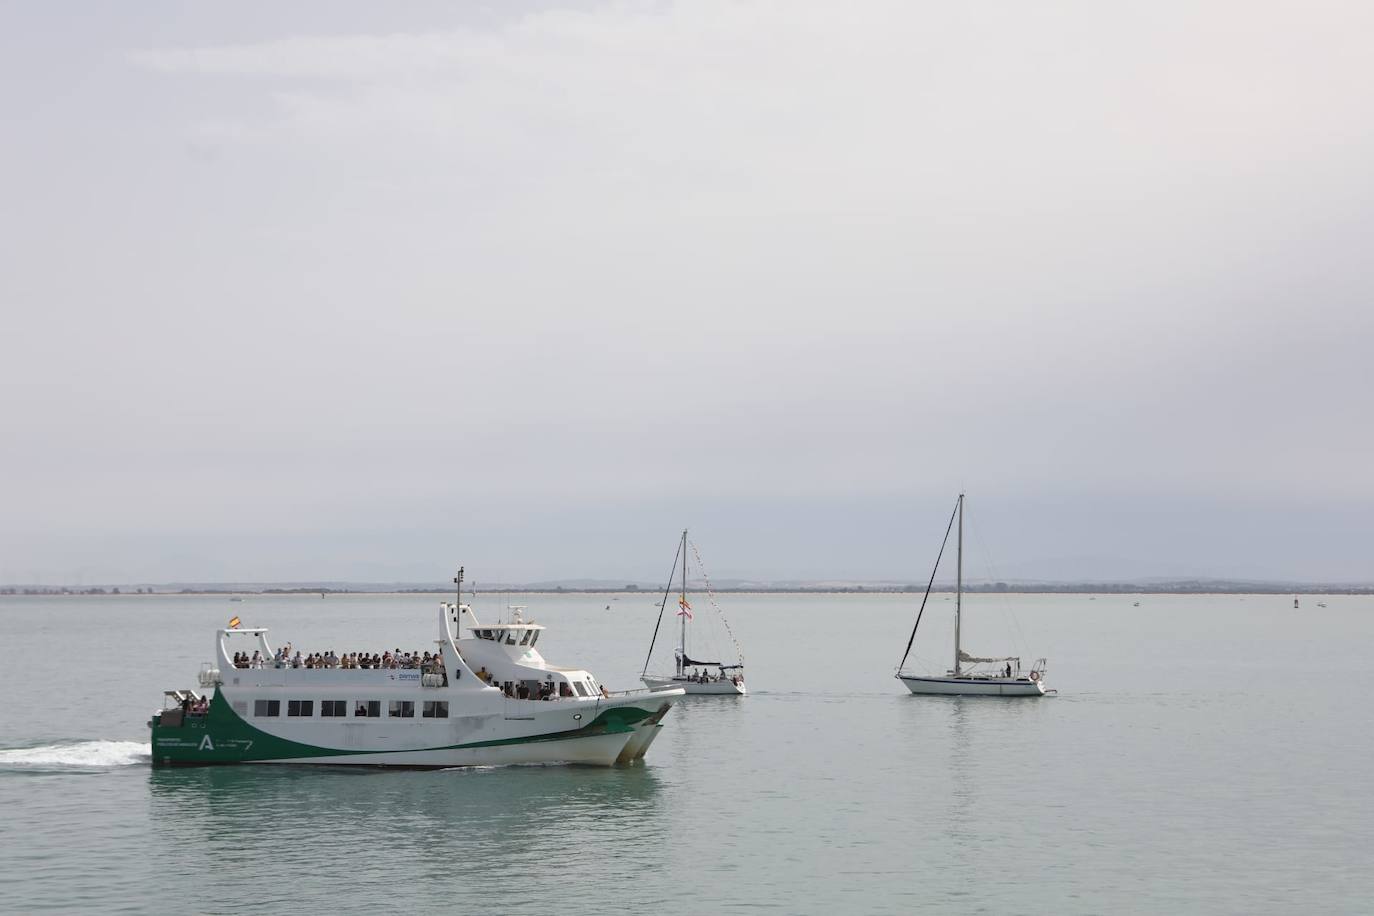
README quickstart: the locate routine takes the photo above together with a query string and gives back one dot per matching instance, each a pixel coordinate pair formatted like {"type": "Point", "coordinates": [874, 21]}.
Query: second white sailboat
{"type": "Point", "coordinates": [970, 675]}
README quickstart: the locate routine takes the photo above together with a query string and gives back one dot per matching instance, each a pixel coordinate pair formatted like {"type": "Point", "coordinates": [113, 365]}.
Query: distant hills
{"type": "Point", "coordinates": [1193, 586]}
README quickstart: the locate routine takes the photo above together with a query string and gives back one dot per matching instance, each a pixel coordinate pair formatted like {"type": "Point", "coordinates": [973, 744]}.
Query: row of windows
{"type": "Point", "coordinates": [362, 709]}
{"type": "Point", "coordinates": [529, 638]}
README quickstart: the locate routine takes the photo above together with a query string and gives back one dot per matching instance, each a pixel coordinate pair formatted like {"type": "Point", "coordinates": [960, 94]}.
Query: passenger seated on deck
{"type": "Point", "coordinates": [257, 659]}
{"type": "Point", "coordinates": [376, 660]}
{"type": "Point", "coordinates": [297, 661]}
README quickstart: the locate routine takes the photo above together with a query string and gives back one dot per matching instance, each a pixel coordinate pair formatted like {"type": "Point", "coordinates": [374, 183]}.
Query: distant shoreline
{"type": "Point", "coordinates": [1020, 589]}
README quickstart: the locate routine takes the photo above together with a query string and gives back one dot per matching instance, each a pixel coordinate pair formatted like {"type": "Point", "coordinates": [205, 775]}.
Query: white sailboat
{"type": "Point", "coordinates": [695, 676]}
{"type": "Point", "coordinates": [970, 675]}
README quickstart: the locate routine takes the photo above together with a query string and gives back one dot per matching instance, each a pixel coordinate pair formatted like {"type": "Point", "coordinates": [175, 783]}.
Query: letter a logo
{"type": "Point", "coordinates": [206, 744]}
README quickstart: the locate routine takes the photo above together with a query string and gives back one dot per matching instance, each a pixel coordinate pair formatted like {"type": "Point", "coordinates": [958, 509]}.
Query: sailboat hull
{"type": "Point", "coordinates": [708, 688]}
{"type": "Point", "coordinates": [973, 686]}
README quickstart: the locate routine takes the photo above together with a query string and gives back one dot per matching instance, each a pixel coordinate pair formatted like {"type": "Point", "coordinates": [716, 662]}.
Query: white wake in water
{"type": "Point", "coordinates": [76, 754]}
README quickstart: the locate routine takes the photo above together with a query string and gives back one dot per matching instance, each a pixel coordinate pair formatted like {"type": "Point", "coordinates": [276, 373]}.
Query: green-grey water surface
{"type": "Point", "coordinates": [1206, 754]}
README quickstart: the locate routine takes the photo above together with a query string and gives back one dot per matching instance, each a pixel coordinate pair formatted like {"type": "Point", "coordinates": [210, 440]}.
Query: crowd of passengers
{"type": "Point", "coordinates": [194, 707]}
{"type": "Point", "coordinates": [284, 659]}
{"type": "Point", "coordinates": [704, 676]}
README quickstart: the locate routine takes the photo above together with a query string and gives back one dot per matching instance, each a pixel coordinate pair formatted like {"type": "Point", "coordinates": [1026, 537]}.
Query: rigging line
{"type": "Point", "coordinates": [1007, 613]}
{"type": "Point", "coordinates": [663, 604]}
{"type": "Point", "coordinates": [711, 597]}
{"type": "Point", "coordinates": [943, 544]}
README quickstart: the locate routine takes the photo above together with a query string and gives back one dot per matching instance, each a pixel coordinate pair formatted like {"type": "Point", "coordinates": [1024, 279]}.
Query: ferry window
{"type": "Point", "coordinates": [435, 709]}
{"type": "Point", "coordinates": [333, 708]}
{"type": "Point", "coordinates": [580, 688]}
{"type": "Point", "coordinates": [267, 708]}
{"type": "Point", "coordinates": [525, 640]}
{"type": "Point", "coordinates": [368, 709]}
{"type": "Point", "coordinates": [300, 708]}
{"type": "Point", "coordinates": [510, 637]}
{"type": "Point", "coordinates": [534, 638]}
{"type": "Point", "coordinates": [402, 709]}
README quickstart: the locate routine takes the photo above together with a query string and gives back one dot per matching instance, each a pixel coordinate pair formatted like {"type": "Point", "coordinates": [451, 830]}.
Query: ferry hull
{"type": "Point", "coordinates": [695, 688]}
{"type": "Point", "coordinates": [619, 733]}
{"type": "Point", "coordinates": [973, 687]}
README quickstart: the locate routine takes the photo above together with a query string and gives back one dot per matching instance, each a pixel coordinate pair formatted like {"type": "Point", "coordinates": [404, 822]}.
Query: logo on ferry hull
{"type": "Point", "coordinates": [206, 744]}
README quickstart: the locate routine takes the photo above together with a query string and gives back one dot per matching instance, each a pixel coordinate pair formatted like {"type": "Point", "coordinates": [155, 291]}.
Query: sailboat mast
{"type": "Point", "coordinates": [958, 585]}
{"type": "Point", "coordinates": [681, 607]}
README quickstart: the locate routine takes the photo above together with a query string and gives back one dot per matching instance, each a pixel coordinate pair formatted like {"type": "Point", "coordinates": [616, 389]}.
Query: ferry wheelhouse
{"type": "Point", "coordinates": [490, 698]}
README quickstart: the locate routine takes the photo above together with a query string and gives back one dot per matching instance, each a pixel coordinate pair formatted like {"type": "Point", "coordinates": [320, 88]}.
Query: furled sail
{"type": "Point", "coordinates": [692, 661]}
{"type": "Point", "coordinates": [965, 657]}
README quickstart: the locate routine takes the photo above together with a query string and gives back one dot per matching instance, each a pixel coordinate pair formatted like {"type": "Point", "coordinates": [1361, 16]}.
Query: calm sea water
{"type": "Point", "coordinates": [1204, 755]}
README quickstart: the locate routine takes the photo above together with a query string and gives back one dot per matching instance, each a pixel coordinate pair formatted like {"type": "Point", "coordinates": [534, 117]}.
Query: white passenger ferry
{"type": "Point", "coordinates": [490, 698]}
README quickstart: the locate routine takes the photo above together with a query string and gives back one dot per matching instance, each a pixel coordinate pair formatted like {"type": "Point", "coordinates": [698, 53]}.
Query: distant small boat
{"type": "Point", "coordinates": [1321, 604]}
{"type": "Point", "coordinates": [235, 599]}
{"type": "Point", "coordinates": [1137, 604]}
{"type": "Point", "coordinates": [1295, 601]}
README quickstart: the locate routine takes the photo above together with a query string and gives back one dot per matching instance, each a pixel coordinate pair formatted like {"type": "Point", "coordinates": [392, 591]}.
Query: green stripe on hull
{"type": "Point", "coordinates": [223, 736]}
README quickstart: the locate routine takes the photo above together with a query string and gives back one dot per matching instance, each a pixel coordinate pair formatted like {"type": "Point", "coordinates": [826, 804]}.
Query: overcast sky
{"type": "Point", "coordinates": [364, 291]}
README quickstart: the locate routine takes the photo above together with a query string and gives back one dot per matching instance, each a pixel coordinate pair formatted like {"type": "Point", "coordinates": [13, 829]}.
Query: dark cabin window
{"type": "Point", "coordinates": [402, 709]}
{"type": "Point", "coordinates": [368, 709]}
{"type": "Point", "coordinates": [435, 709]}
{"type": "Point", "coordinates": [266, 708]}
{"type": "Point", "coordinates": [333, 708]}
{"type": "Point", "coordinates": [525, 640]}
{"type": "Point", "coordinates": [300, 708]}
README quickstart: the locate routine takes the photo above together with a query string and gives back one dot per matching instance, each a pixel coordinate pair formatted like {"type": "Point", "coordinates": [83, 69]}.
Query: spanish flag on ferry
{"type": "Point", "coordinates": [233, 623]}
